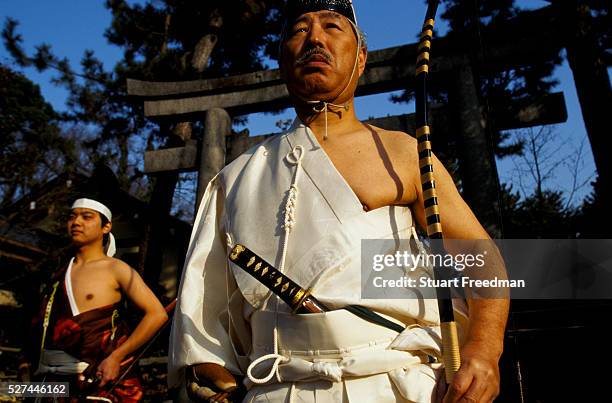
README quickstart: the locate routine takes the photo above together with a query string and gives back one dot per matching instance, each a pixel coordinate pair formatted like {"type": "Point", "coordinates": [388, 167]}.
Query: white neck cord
{"type": "Point", "coordinates": [323, 106]}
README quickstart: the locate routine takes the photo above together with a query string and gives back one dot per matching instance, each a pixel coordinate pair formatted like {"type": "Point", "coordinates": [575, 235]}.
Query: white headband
{"type": "Point", "coordinates": [93, 205]}
{"type": "Point", "coordinates": [105, 211]}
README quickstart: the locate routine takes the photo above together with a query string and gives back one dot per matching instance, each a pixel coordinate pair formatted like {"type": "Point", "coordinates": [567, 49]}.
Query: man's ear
{"type": "Point", "coordinates": [363, 58]}
{"type": "Point", "coordinates": [107, 227]}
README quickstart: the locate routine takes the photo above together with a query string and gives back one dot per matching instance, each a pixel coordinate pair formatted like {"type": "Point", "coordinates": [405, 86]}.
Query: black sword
{"type": "Point", "coordinates": [299, 299]}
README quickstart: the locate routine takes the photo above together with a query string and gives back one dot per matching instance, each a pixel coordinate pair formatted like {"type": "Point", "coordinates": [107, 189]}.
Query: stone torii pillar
{"type": "Point", "coordinates": [217, 126]}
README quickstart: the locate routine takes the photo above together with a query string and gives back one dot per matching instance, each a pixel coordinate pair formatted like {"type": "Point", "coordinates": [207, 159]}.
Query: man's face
{"type": "Point", "coordinates": [318, 57]}
{"type": "Point", "coordinates": [85, 226]}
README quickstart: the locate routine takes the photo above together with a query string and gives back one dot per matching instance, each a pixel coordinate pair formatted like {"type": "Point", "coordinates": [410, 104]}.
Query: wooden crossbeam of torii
{"type": "Point", "coordinates": [549, 110]}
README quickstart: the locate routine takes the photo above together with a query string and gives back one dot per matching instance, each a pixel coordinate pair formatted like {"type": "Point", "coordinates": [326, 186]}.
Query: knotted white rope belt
{"type": "Point", "coordinates": [331, 346]}
{"type": "Point", "coordinates": [367, 363]}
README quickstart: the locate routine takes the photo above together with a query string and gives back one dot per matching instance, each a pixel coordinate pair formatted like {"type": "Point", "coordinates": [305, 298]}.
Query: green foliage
{"type": "Point", "coordinates": [466, 16]}
{"type": "Point", "coordinates": [159, 37]}
{"type": "Point", "coordinates": [540, 215]}
{"type": "Point", "coordinates": [589, 219]}
{"type": "Point", "coordinates": [159, 40]}
{"type": "Point", "coordinates": [474, 22]}
{"type": "Point", "coordinates": [32, 149]}
{"type": "Point", "coordinates": [537, 212]}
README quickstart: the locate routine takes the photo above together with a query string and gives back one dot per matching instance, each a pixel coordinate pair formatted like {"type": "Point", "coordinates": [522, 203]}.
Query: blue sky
{"type": "Point", "coordinates": [72, 26]}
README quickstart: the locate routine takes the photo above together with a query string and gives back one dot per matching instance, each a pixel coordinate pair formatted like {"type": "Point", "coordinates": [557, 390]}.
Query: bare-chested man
{"type": "Point", "coordinates": [335, 181]}
{"type": "Point", "coordinates": [87, 336]}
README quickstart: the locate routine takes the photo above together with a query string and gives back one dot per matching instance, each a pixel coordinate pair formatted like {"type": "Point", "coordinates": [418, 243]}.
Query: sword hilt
{"type": "Point", "coordinates": [287, 290]}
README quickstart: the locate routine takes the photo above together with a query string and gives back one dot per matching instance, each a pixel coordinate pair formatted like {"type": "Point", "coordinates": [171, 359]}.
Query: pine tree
{"type": "Point", "coordinates": [32, 148]}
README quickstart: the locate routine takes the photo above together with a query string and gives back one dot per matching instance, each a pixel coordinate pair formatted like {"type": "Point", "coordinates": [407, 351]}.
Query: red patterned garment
{"type": "Point", "coordinates": [89, 336]}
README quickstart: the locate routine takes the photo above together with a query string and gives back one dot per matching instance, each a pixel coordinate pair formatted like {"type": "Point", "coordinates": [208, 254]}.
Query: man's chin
{"type": "Point", "coordinates": [318, 93]}
{"type": "Point", "coordinates": [315, 84]}
{"type": "Point", "coordinates": [78, 241]}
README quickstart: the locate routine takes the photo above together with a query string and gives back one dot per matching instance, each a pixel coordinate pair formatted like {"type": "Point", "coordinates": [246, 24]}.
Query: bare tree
{"type": "Point", "coordinates": [547, 156]}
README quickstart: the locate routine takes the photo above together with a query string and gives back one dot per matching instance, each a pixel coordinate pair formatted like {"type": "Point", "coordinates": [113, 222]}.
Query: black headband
{"type": "Point", "coordinates": [295, 8]}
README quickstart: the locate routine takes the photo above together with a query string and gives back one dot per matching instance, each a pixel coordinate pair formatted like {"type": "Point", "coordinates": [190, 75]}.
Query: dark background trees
{"type": "Point", "coordinates": [32, 149]}
{"type": "Point", "coordinates": [543, 210]}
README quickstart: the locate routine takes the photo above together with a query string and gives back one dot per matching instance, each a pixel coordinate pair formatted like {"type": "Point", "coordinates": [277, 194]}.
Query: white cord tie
{"type": "Point", "coordinates": [323, 107]}
{"type": "Point", "coordinates": [278, 359]}
{"type": "Point", "coordinates": [294, 157]}
{"type": "Point", "coordinates": [290, 209]}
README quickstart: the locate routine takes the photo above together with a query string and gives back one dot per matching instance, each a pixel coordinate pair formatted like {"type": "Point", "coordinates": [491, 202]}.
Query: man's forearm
{"type": "Point", "coordinates": [147, 327]}
{"type": "Point", "coordinates": [487, 324]}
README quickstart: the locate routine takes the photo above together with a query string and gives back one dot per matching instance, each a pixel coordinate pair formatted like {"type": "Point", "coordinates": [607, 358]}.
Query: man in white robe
{"type": "Point", "coordinates": [304, 201]}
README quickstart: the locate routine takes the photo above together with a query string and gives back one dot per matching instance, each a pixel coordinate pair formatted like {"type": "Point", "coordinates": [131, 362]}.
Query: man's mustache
{"type": "Point", "coordinates": [312, 52]}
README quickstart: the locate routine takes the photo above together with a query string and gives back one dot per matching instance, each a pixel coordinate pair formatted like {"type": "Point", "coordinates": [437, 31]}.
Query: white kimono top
{"type": "Point", "coordinates": [225, 316]}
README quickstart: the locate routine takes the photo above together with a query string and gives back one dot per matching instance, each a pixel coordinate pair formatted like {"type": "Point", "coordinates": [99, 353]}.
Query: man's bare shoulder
{"type": "Point", "coordinates": [117, 266]}
{"type": "Point", "coordinates": [396, 141]}
{"type": "Point", "coordinates": [394, 135]}
{"type": "Point", "coordinates": [112, 262]}
{"type": "Point", "coordinates": [123, 273]}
